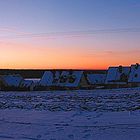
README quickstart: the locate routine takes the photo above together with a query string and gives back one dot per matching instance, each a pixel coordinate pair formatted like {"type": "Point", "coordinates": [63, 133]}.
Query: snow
{"type": "Point", "coordinates": [48, 78]}
{"type": "Point", "coordinates": [35, 80]}
{"type": "Point", "coordinates": [26, 83]}
{"type": "Point", "coordinates": [114, 75]}
{"type": "Point", "coordinates": [96, 78]}
{"type": "Point", "coordinates": [134, 74]}
{"type": "Point", "coordinates": [12, 80]}
{"type": "Point", "coordinates": [70, 115]}
{"type": "Point", "coordinates": [77, 77]}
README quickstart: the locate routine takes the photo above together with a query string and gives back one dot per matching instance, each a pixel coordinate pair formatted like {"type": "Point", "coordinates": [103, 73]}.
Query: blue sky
{"type": "Point", "coordinates": [19, 17]}
{"type": "Point", "coordinates": [53, 15]}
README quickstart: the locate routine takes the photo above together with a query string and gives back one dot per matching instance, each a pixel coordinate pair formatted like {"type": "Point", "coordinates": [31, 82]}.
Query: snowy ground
{"type": "Point", "coordinates": [70, 115]}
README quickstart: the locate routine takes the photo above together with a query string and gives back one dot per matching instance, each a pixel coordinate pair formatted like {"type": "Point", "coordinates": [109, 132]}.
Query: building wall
{"type": "Point", "coordinates": [134, 84]}
{"type": "Point", "coordinates": [84, 82]}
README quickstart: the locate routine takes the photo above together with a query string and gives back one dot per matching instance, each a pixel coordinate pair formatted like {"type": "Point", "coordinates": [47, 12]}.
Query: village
{"type": "Point", "coordinates": [114, 77]}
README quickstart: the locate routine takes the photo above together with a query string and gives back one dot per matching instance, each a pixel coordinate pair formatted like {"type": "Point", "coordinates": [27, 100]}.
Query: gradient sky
{"type": "Point", "coordinates": [41, 33]}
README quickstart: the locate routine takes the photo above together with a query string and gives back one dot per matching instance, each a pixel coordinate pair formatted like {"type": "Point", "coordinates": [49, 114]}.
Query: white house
{"type": "Point", "coordinates": [73, 80]}
{"type": "Point", "coordinates": [96, 79]}
{"type": "Point", "coordinates": [11, 81]}
{"type": "Point", "coordinates": [117, 75]}
{"type": "Point", "coordinates": [49, 79]}
{"type": "Point", "coordinates": [27, 85]}
{"type": "Point", "coordinates": [134, 77]}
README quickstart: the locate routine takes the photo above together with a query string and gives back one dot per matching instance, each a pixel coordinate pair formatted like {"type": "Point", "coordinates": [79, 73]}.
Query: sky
{"type": "Point", "coordinates": [69, 34]}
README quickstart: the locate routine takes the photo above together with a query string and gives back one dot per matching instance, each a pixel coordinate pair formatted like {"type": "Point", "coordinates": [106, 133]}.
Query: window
{"type": "Point", "coordinates": [136, 75]}
{"type": "Point", "coordinates": [120, 69]}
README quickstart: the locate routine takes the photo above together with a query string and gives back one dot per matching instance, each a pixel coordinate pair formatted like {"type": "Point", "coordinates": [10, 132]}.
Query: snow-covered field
{"type": "Point", "coordinates": [70, 115]}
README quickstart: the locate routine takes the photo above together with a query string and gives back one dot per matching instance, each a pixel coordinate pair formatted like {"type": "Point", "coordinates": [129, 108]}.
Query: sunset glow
{"type": "Point", "coordinates": [24, 46]}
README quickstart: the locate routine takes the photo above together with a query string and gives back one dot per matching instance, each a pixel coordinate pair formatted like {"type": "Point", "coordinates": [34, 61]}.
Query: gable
{"type": "Point", "coordinates": [134, 74]}
{"type": "Point", "coordinates": [117, 74]}
{"type": "Point", "coordinates": [84, 81]}
{"type": "Point", "coordinates": [70, 79]}
{"type": "Point", "coordinates": [26, 83]}
{"type": "Point", "coordinates": [46, 79]}
{"type": "Point", "coordinates": [50, 78]}
{"type": "Point", "coordinates": [111, 74]}
{"type": "Point", "coordinates": [96, 78]}
{"type": "Point", "coordinates": [12, 80]}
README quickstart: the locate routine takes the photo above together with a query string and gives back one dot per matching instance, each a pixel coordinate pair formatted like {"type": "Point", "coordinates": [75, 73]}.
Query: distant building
{"type": "Point", "coordinates": [11, 82]}
{"type": "Point", "coordinates": [27, 85]}
{"type": "Point", "coordinates": [49, 80]}
{"type": "Point", "coordinates": [134, 77]}
{"type": "Point", "coordinates": [117, 76]}
{"type": "Point", "coordinates": [96, 80]}
{"type": "Point", "coordinates": [73, 80]}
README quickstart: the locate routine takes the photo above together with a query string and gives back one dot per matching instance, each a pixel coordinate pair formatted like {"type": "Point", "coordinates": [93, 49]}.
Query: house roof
{"type": "Point", "coordinates": [114, 74]}
{"type": "Point", "coordinates": [49, 78]}
{"type": "Point", "coordinates": [96, 78]}
{"type": "Point", "coordinates": [26, 83]}
{"type": "Point", "coordinates": [46, 79]}
{"type": "Point", "coordinates": [12, 80]}
{"type": "Point", "coordinates": [35, 80]}
{"type": "Point", "coordinates": [134, 74]}
{"type": "Point", "coordinates": [70, 79]}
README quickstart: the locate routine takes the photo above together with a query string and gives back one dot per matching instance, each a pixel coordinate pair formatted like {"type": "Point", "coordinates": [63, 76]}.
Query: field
{"type": "Point", "coordinates": [70, 115]}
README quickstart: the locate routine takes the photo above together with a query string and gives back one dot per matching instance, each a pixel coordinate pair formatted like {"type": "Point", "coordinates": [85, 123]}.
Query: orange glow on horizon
{"type": "Point", "coordinates": [25, 56]}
